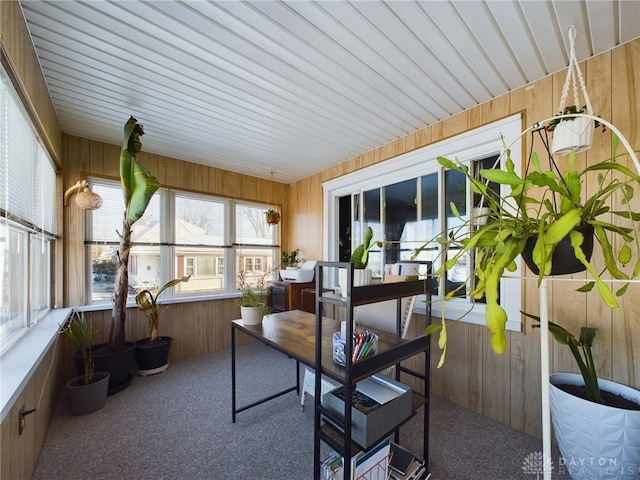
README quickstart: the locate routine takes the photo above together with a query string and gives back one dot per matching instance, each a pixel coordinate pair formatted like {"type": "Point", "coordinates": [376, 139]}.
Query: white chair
{"type": "Point", "coordinates": [379, 316]}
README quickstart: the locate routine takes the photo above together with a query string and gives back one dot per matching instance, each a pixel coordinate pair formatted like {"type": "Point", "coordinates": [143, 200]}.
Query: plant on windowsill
{"type": "Point", "coordinates": [359, 259]}
{"type": "Point", "coordinates": [87, 392]}
{"type": "Point", "coordinates": [253, 296]}
{"type": "Point", "coordinates": [290, 259]}
{"type": "Point", "coordinates": [152, 353]}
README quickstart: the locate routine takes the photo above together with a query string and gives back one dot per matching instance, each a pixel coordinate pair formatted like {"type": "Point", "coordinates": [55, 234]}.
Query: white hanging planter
{"type": "Point", "coordinates": [480, 215]}
{"type": "Point", "coordinates": [595, 441]}
{"type": "Point", "coordinates": [573, 135]}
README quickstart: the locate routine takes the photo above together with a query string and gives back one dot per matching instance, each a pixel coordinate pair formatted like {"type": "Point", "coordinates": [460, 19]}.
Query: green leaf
{"type": "Point", "coordinates": [587, 287]}
{"type": "Point", "coordinates": [622, 290]}
{"type": "Point", "coordinates": [561, 227]}
{"type": "Point", "coordinates": [454, 209]}
{"type": "Point", "coordinates": [587, 334]}
{"type": "Point", "coordinates": [607, 251]}
{"type": "Point", "coordinates": [144, 185]}
{"type": "Point", "coordinates": [603, 289]}
{"type": "Point", "coordinates": [501, 177]}
{"type": "Point", "coordinates": [624, 255]}
{"type": "Point", "coordinates": [446, 163]}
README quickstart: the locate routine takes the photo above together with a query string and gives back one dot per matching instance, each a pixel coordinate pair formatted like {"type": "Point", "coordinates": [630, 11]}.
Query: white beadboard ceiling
{"type": "Point", "coordinates": [286, 89]}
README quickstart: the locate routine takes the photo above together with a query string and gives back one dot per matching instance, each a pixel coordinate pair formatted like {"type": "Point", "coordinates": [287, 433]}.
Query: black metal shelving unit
{"type": "Point", "coordinates": [325, 421]}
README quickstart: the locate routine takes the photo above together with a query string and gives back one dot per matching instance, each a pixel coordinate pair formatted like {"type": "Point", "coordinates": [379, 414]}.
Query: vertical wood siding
{"type": "Point", "coordinates": [507, 388]}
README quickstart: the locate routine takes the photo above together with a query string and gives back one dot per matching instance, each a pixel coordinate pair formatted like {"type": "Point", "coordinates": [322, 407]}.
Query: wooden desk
{"type": "Point", "coordinates": [294, 334]}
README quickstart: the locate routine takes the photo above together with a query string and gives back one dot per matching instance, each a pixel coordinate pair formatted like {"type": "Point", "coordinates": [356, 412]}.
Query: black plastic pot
{"type": "Point", "coordinates": [85, 398]}
{"type": "Point", "coordinates": [563, 260]}
{"type": "Point", "coordinates": [118, 364]}
{"type": "Point", "coordinates": [153, 357]}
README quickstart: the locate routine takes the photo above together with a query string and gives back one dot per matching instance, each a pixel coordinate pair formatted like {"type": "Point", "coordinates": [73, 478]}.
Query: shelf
{"type": "Point", "coordinates": [333, 429]}
{"type": "Point", "coordinates": [333, 435]}
{"type": "Point", "coordinates": [378, 292]}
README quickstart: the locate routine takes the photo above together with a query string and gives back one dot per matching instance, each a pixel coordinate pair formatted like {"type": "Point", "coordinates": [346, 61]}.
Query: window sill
{"type": "Point", "coordinates": [19, 363]}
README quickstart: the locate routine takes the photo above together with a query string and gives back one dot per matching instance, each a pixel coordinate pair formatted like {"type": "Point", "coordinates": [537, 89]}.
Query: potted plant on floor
{"type": "Point", "coordinates": [253, 297]}
{"type": "Point", "coordinates": [87, 393]}
{"type": "Point", "coordinates": [152, 353]}
{"type": "Point", "coordinates": [117, 356]}
{"type": "Point", "coordinates": [578, 400]}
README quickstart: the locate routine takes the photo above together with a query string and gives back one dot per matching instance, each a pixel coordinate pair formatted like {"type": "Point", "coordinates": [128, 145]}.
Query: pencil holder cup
{"type": "Point", "coordinates": [339, 354]}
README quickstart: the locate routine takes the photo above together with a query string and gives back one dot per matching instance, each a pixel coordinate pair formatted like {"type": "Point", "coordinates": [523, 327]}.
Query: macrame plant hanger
{"type": "Point", "coordinates": [573, 133]}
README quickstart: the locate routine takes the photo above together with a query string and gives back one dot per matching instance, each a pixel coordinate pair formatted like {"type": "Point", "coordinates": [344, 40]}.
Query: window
{"type": "Point", "coordinates": [406, 201]}
{"type": "Point", "coordinates": [180, 234]}
{"type": "Point", "coordinates": [255, 245]}
{"type": "Point", "coordinates": [27, 219]}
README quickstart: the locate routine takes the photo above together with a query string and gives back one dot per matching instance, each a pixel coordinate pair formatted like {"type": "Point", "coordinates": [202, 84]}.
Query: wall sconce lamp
{"type": "Point", "coordinates": [85, 199]}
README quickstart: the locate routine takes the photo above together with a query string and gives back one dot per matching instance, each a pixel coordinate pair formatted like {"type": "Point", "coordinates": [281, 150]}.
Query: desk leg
{"type": "Point", "coordinates": [233, 374]}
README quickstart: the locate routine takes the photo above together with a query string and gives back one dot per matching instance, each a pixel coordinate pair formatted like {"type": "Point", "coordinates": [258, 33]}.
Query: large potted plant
{"type": "Point", "coordinates": [593, 418]}
{"type": "Point", "coordinates": [138, 186]}
{"type": "Point", "coordinates": [544, 209]}
{"type": "Point", "coordinates": [87, 392]}
{"type": "Point", "coordinates": [253, 297]}
{"type": "Point", "coordinates": [152, 353]}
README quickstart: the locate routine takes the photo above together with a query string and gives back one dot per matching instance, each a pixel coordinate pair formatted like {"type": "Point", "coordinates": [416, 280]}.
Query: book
{"type": "Point", "coordinates": [404, 465]}
{"type": "Point", "coordinates": [359, 400]}
{"type": "Point", "coordinates": [401, 459]}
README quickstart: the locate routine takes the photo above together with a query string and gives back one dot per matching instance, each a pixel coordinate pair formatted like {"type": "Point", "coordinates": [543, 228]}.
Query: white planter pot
{"type": "Point", "coordinates": [595, 441]}
{"type": "Point", "coordinates": [480, 215]}
{"type": "Point", "coordinates": [361, 276]}
{"type": "Point", "coordinates": [576, 134]}
{"type": "Point", "coordinates": [251, 315]}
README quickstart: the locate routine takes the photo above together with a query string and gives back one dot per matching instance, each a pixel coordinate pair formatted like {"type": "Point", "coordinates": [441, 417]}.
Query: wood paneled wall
{"type": "Point", "coordinates": [507, 388]}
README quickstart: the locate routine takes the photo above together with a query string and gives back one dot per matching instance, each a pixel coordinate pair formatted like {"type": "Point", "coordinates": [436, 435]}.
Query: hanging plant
{"type": "Point", "coordinates": [272, 216]}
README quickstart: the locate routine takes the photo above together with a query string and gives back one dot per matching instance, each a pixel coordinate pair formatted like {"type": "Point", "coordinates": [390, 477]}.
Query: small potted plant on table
{"type": "Point", "coordinates": [253, 298]}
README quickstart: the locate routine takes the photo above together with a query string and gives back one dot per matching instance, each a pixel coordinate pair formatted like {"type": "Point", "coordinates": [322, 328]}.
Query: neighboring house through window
{"type": "Point", "coordinates": [207, 237]}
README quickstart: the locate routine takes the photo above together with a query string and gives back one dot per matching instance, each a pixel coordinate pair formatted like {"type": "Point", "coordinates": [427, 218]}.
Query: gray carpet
{"type": "Point", "coordinates": [177, 425]}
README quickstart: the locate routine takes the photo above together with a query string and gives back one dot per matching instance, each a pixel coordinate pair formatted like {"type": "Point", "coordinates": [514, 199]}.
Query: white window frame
{"type": "Point", "coordinates": [472, 145]}
{"type": "Point", "coordinates": [168, 245]}
{"type": "Point", "coordinates": [28, 198]}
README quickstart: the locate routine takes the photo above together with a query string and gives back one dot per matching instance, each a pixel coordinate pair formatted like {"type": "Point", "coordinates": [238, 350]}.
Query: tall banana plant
{"type": "Point", "coordinates": [138, 186]}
